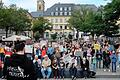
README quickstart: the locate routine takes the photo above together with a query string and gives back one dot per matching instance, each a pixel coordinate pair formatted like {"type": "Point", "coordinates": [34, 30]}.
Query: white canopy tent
{"type": "Point", "coordinates": [16, 37]}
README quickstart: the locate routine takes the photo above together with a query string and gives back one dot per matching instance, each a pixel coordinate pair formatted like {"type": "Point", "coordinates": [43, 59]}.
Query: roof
{"type": "Point", "coordinates": [37, 14]}
{"type": "Point", "coordinates": [89, 6]}
{"type": "Point", "coordinates": [56, 8]}
{"type": "Point", "coordinates": [61, 9]}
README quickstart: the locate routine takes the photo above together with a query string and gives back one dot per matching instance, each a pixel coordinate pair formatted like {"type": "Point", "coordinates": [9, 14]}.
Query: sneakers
{"type": "Point", "coordinates": [104, 69]}
{"type": "Point", "coordinates": [109, 70]}
{"type": "Point", "coordinates": [118, 66]}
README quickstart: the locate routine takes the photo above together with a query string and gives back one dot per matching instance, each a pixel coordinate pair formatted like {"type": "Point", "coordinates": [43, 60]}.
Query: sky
{"type": "Point", "coordinates": [31, 5]}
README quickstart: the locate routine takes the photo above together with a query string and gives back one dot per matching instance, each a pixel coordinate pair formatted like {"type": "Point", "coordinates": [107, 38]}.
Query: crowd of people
{"type": "Point", "coordinates": [48, 61]}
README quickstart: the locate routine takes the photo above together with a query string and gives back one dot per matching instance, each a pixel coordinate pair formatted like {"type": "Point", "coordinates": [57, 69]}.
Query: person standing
{"type": "Point", "coordinates": [18, 66]}
{"type": "Point", "coordinates": [113, 60]}
{"type": "Point", "coordinates": [118, 53]}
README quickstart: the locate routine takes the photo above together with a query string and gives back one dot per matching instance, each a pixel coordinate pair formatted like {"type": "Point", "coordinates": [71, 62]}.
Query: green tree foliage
{"type": "Point", "coordinates": [41, 25]}
{"type": "Point", "coordinates": [87, 20]}
{"type": "Point", "coordinates": [36, 35]}
{"type": "Point", "coordinates": [13, 18]}
{"type": "Point", "coordinates": [111, 16]}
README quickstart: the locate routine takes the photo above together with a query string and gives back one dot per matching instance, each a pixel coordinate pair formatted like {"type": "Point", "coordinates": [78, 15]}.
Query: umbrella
{"type": "Point", "coordinates": [16, 37]}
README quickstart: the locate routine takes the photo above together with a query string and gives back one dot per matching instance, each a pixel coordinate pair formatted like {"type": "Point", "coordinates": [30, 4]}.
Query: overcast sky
{"type": "Point", "coordinates": [31, 4]}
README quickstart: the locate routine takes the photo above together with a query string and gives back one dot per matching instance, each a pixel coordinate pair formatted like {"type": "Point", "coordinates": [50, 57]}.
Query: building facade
{"type": "Point", "coordinates": [58, 15]}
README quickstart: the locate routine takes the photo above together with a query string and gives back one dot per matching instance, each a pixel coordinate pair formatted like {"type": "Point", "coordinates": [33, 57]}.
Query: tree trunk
{"type": "Point", "coordinates": [6, 31]}
{"type": "Point", "coordinates": [16, 32]}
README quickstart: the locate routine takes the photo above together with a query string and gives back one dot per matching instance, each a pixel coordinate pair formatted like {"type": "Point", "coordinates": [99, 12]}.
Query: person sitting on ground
{"type": "Point", "coordinates": [73, 69]}
{"type": "Point", "coordinates": [62, 68]}
{"type": "Point", "coordinates": [85, 67]}
{"type": "Point", "coordinates": [55, 68]}
{"type": "Point", "coordinates": [46, 67]}
{"type": "Point", "coordinates": [37, 63]}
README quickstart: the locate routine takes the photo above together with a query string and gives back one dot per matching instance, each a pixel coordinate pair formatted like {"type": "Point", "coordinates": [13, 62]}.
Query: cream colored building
{"type": "Point", "coordinates": [58, 15]}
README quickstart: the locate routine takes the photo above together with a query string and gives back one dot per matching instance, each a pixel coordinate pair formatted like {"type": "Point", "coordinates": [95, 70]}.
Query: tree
{"type": "Point", "coordinates": [111, 16]}
{"type": "Point", "coordinates": [36, 35]}
{"type": "Point", "coordinates": [5, 19]}
{"type": "Point", "coordinates": [41, 25]}
{"type": "Point", "coordinates": [87, 20]}
{"type": "Point", "coordinates": [14, 18]}
{"type": "Point", "coordinates": [21, 21]}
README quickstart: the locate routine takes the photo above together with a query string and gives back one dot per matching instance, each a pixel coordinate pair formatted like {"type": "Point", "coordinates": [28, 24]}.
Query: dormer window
{"type": "Point", "coordinates": [56, 8]}
{"type": "Point", "coordinates": [52, 13]}
{"type": "Point", "coordinates": [70, 9]}
{"type": "Point", "coordinates": [61, 13]}
{"type": "Point", "coordinates": [65, 13]}
{"type": "Point", "coordinates": [70, 13]}
{"type": "Point", "coordinates": [56, 13]}
{"type": "Point", "coordinates": [65, 8]}
{"type": "Point", "coordinates": [61, 8]}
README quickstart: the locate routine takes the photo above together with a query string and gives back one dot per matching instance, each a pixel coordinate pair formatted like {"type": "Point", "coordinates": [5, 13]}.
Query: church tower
{"type": "Point", "coordinates": [40, 5]}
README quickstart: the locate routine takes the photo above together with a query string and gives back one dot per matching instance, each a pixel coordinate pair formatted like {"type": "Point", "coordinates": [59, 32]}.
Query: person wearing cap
{"type": "Point", "coordinates": [46, 67]}
{"type": "Point", "coordinates": [113, 60]}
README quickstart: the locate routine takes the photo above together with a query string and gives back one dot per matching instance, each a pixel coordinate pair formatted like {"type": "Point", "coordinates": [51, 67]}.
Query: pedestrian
{"type": "Point", "coordinates": [107, 61]}
{"type": "Point", "coordinates": [113, 60]}
{"type": "Point", "coordinates": [94, 63]}
{"type": "Point", "coordinates": [18, 66]}
{"type": "Point", "coordinates": [118, 53]}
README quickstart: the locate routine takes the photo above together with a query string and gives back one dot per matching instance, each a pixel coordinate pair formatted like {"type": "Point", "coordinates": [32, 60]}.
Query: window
{"type": "Point", "coordinates": [69, 8]}
{"type": "Point", "coordinates": [61, 13]}
{"type": "Point", "coordinates": [65, 20]}
{"type": "Point", "coordinates": [56, 20]}
{"type": "Point", "coordinates": [69, 13]}
{"type": "Point", "coordinates": [52, 20]}
{"type": "Point", "coordinates": [65, 27]}
{"type": "Point", "coordinates": [52, 13]}
{"type": "Point", "coordinates": [60, 27]}
{"type": "Point", "coordinates": [61, 8]}
{"type": "Point", "coordinates": [56, 13]}
{"type": "Point", "coordinates": [61, 20]}
{"type": "Point", "coordinates": [65, 13]}
{"type": "Point", "coordinates": [65, 8]}
{"type": "Point", "coordinates": [56, 8]}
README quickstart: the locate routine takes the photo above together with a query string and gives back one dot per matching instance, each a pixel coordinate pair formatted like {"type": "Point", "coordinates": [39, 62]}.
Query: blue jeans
{"type": "Point", "coordinates": [73, 71]}
{"type": "Point", "coordinates": [61, 72]}
{"type": "Point", "coordinates": [46, 72]}
{"type": "Point", "coordinates": [113, 66]}
{"type": "Point", "coordinates": [94, 67]}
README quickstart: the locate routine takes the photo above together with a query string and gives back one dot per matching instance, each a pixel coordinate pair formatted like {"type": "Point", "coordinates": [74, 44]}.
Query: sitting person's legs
{"type": "Point", "coordinates": [43, 72]}
{"type": "Point", "coordinates": [49, 70]}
